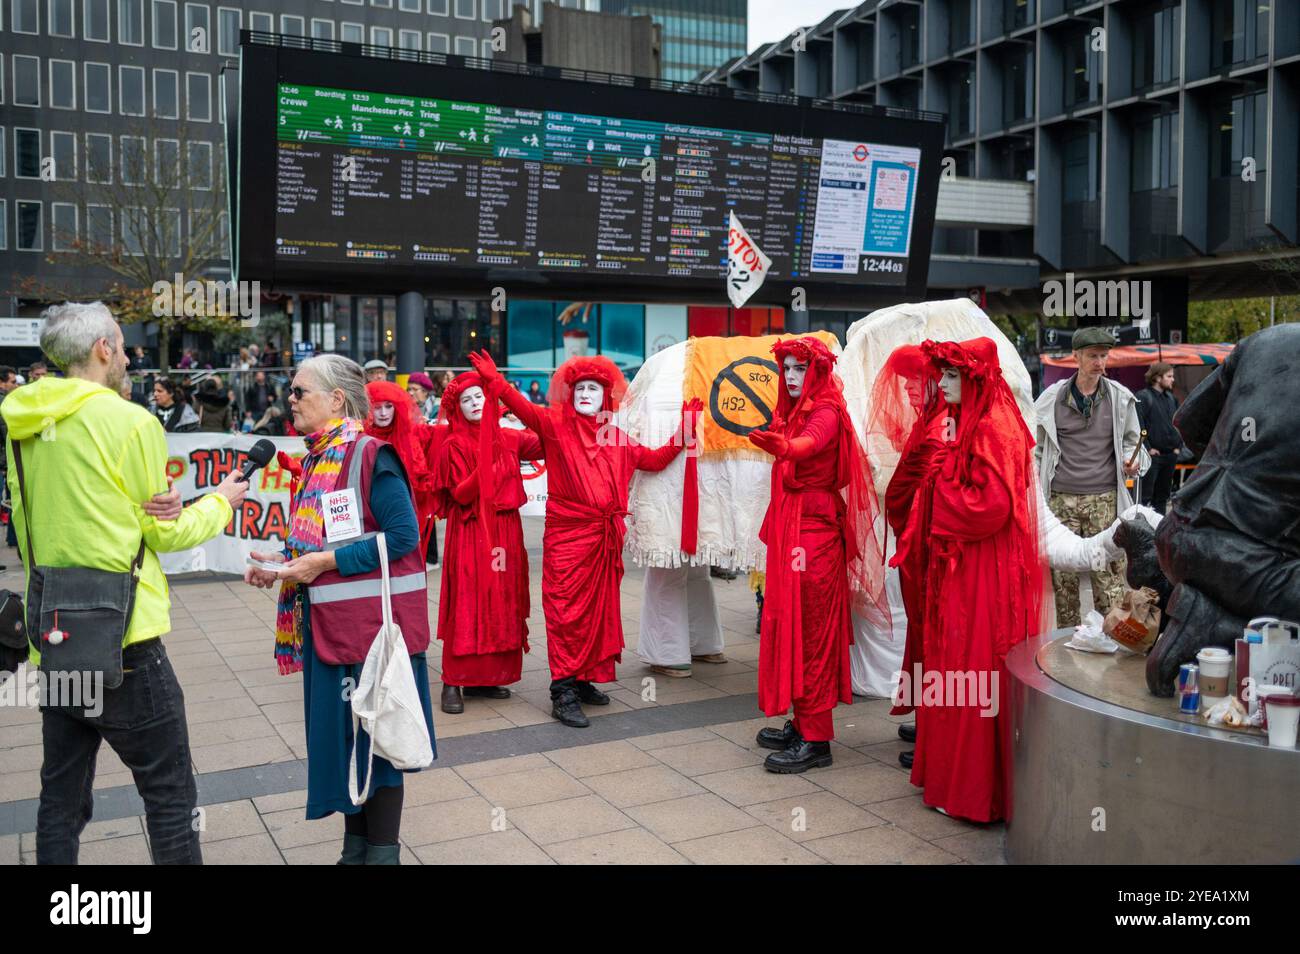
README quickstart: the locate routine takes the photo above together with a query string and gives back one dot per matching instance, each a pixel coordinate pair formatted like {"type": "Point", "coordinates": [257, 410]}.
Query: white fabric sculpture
{"type": "Point", "coordinates": [734, 489]}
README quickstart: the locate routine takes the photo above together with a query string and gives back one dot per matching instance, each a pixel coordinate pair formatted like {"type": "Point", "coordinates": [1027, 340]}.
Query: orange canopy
{"type": "Point", "coordinates": [1132, 356]}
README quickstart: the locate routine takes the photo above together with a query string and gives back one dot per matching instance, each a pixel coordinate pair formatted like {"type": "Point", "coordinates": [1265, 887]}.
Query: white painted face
{"type": "Point", "coordinates": [471, 403]}
{"type": "Point", "coordinates": [588, 397]}
{"type": "Point", "coordinates": [795, 372]}
{"type": "Point", "coordinates": [950, 385]}
{"type": "Point", "coordinates": [383, 412]}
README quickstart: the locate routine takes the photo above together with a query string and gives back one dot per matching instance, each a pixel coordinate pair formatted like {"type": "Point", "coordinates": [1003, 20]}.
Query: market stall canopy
{"type": "Point", "coordinates": [1132, 356]}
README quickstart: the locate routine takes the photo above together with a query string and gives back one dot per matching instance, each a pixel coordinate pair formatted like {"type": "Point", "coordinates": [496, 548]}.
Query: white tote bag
{"type": "Point", "coordinates": [385, 702]}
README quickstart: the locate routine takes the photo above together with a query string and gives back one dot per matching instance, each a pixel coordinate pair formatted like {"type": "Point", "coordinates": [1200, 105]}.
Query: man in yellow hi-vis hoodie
{"type": "Point", "coordinates": [92, 464]}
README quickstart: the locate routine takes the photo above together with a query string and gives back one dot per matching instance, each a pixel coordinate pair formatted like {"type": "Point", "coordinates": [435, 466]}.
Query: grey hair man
{"type": "Point", "coordinates": [94, 494]}
{"type": "Point", "coordinates": [1088, 443]}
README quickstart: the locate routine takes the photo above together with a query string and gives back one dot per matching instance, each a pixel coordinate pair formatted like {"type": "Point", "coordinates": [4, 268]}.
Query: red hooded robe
{"type": "Point", "coordinates": [909, 411]}
{"type": "Point", "coordinates": [822, 551]}
{"type": "Point", "coordinates": [483, 603]}
{"type": "Point", "coordinates": [589, 465]}
{"type": "Point", "coordinates": [981, 587]}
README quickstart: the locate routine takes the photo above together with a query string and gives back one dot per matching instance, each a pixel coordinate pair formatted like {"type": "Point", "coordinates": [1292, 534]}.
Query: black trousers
{"type": "Point", "coordinates": [143, 720]}
{"type": "Point", "coordinates": [1158, 480]}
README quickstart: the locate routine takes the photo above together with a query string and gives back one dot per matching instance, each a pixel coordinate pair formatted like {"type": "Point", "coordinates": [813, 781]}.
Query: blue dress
{"type": "Point", "coordinates": [326, 701]}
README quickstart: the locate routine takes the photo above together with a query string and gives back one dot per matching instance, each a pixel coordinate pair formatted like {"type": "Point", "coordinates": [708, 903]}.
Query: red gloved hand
{"type": "Point", "coordinates": [774, 444]}
{"type": "Point", "coordinates": [943, 461]}
{"type": "Point", "coordinates": [485, 366]}
{"type": "Point", "coordinates": [291, 464]}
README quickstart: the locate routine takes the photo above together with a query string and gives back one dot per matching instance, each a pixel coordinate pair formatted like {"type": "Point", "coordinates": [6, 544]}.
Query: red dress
{"type": "Point", "coordinates": [589, 465]}
{"type": "Point", "coordinates": [820, 546]}
{"type": "Point", "coordinates": [806, 665]}
{"type": "Point", "coordinates": [483, 604]}
{"type": "Point", "coordinates": [912, 488]}
{"type": "Point", "coordinates": [981, 587]}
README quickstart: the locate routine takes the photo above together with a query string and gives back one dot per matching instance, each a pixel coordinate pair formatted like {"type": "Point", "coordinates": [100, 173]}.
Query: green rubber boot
{"type": "Point", "coordinates": [382, 854]}
{"type": "Point", "coordinates": [354, 850]}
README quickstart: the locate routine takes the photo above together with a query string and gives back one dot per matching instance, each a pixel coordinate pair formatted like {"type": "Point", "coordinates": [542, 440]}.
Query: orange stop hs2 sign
{"type": "Point", "coordinates": [743, 395]}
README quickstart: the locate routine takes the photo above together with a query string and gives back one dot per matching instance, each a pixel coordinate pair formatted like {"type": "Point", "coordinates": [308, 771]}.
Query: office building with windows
{"type": "Point", "coordinates": [697, 34]}
{"type": "Point", "coordinates": [1152, 140]}
{"type": "Point", "coordinates": [109, 107]}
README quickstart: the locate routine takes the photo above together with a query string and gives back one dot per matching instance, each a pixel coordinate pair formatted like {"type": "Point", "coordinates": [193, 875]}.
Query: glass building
{"type": "Point", "coordinates": [697, 34]}
{"type": "Point", "coordinates": [112, 91]}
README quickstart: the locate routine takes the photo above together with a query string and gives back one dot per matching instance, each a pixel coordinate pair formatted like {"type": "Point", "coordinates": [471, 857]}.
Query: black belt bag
{"type": "Point", "coordinates": [77, 617]}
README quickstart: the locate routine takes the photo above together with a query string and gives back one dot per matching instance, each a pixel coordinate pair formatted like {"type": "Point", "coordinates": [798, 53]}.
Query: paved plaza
{"type": "Point", "coordinates": [667, 773]}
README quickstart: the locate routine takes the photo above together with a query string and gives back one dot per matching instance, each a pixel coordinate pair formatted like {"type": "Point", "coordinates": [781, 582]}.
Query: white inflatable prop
{"type": "Point", "coordinates": [734, 490]}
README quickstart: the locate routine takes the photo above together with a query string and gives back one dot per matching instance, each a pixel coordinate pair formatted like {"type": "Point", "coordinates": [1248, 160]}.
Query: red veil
{"type": "Point", "coordinates": [480, 442]}
{"type": "Point", "coordinates": [906, 391]}
{"type": "Point", "coordinates": [458, 428]}
{"type": "Point", "coordinates": [401, 433]}
{"type": "Point", "coordinates": [990, 428]}
{"type": "Point", "coordinates": [853, 473]}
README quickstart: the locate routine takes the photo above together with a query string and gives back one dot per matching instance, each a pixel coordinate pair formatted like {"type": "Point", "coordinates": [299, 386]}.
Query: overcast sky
{"type": "Point", "coordinates": [774, 19]}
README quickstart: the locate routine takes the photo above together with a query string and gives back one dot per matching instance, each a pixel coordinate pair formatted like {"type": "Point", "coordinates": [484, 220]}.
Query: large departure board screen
{"type": "Point", "coordinates": [424, 188]}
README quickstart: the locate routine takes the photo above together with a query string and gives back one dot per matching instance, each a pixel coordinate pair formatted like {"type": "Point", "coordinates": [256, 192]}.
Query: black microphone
{"type": "Point", "coordinates": [259, 455]}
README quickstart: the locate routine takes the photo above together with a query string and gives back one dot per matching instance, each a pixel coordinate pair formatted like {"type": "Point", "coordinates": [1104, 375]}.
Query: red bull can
{"type": "Point", "coordinates": [1189, 688]}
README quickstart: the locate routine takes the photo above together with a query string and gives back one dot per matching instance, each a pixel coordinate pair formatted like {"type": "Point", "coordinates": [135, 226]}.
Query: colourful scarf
{"type": "Point", "coordinates": [326, 449]}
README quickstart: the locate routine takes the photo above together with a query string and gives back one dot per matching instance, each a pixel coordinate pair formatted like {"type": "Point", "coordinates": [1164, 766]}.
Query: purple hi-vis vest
{"type": "Point", "coordinates": [345, 610]}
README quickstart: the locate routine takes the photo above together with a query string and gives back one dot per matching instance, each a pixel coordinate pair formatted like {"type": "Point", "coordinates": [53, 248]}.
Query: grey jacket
{"type": "Point", "coordinates": [1128, 432]}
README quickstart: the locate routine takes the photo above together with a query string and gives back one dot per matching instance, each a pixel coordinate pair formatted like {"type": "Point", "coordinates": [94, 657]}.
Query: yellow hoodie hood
{"type": "Point", "coordinates": [34, 407]}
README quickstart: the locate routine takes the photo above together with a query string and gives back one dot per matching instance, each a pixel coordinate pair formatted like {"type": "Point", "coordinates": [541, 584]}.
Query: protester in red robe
{"type": "Point", "coordinates": [973, 528]}
{"type": "Point", "coordinates": [392, 418]}
{"type": "Point", "coordinates": [483, 603]}
{"type": "Point", "coordinates": [589, 464]}
{"type": "Point", "coordinates": [907, 408]}
{"type": "Point", "coordinates": [822, 556]}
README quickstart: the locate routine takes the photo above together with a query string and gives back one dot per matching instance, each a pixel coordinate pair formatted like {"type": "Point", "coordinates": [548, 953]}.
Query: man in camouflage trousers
{"type": "Point", "coordinates": [1086, 514]}
{"type": "Point", "coordinates": [1088, 443]}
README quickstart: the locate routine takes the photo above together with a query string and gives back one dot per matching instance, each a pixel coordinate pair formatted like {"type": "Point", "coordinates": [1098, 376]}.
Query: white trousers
{"type": "Point", "coordinates": [679, 616]}
{"type": "Point", "coordinates": [876, 653]}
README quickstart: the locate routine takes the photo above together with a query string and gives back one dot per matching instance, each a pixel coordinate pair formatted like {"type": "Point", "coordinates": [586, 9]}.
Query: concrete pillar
{"type": "Point", "coordinates": [354, 328]}
{"type": "Point", "coordinates": [410, 333]}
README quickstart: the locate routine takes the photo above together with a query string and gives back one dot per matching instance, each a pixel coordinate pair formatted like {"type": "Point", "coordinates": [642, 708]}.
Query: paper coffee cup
{"type": "Point", "coordinates": [1216, 665]}
{"type": "Point", "coordinates": [1283, 715]}
{"type": "Point", "coordinates": [1263, 692]}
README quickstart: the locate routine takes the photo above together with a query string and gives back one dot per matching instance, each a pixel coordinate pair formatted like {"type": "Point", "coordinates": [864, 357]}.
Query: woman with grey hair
{"type": "Point", "coordinates": [329, 607]}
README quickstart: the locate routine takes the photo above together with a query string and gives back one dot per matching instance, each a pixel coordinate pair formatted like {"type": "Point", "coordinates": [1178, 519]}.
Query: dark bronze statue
{"type": "Point", "coordinates": [1229, 549]}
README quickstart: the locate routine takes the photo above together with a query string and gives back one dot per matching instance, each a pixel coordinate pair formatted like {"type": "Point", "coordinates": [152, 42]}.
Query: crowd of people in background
{"type": "Point", "coordinates": [249, 397]}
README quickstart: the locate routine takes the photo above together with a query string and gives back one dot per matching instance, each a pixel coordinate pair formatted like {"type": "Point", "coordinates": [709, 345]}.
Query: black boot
{"type": "Point", "coordinates": [589, 695]}
{"type": "Point", "coordinates": [488, 692]}
{"type": "Point", "coordinates": [564, 704]}
{"type": "Point", "coordinates": [452, 702]}
{"type": "Point", "coordinates": [905, 758]}
{"type": "Point", "coordinates": [799, 757]}
{"type": "Point", "coordinates": [778, 739]}
{"type": "Point", "coordinates": [907, 732]}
